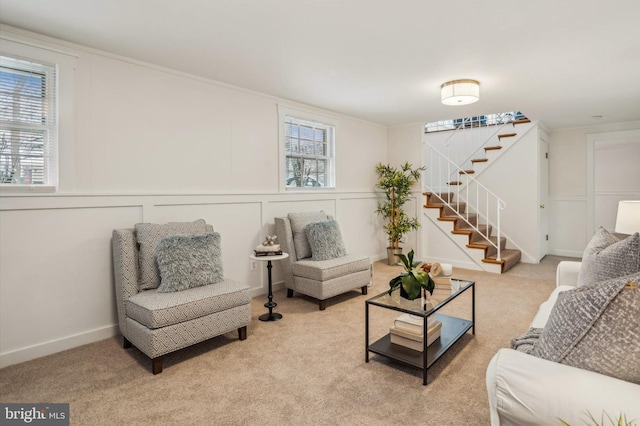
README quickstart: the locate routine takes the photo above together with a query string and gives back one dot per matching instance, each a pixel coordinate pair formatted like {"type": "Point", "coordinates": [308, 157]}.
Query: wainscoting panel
{"type": "Point", "coordinates": [56, 276]}
{"type": "Point", "coordinates": [238, 224]}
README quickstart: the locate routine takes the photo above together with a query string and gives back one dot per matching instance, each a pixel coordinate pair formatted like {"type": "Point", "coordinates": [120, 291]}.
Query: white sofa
{"type": "Point", "coordinates": [527, 390]}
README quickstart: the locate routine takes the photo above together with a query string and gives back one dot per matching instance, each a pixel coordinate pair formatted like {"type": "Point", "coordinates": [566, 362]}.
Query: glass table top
{"type": "Point", "coordinates": [440, 297]}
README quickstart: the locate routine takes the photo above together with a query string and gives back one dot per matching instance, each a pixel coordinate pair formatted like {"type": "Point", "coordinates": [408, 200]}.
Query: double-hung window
{"type": "Point", "coordinates": [28, 124]}
{"type": "Point", "coordinates": [309, 153]}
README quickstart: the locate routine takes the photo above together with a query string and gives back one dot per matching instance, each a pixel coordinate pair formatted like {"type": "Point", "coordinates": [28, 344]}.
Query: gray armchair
{"type": "Point", "coordinates": [321, 279]}
{"type": "Point", "coordinates": [158, 323]}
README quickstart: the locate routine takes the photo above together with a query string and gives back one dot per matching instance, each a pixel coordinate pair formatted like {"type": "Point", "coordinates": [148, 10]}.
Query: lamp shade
{"type": "Point", "coordinates": [628, 219]}
{"type": "Point", "coordinates": [460, 92]}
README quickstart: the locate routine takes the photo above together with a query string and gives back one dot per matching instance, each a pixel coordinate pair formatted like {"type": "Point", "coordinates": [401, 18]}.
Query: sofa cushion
{"type": "Point", "coordinates": [148, 236]}
{"type": "Point", "coordinates": [596, 328]}
{"type": "Point", "coordinates": [156, 310]}
{"type": "Point", "coordinates": [324, 270]}
{"type": "Point", "coordinates": [298, 223]}
{"type": "Point", "coordinates": [607, 257]}
{"type": "Point", "coordinates": [325, 240]}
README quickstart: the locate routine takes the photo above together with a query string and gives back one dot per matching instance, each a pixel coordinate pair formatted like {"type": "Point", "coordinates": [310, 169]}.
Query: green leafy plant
{"type": "Point", "coordinates": [412, 280]}
{"type": "Point", "coordinates": [396, 184]}
{"type": "Point", "coordinates": [592, 421]}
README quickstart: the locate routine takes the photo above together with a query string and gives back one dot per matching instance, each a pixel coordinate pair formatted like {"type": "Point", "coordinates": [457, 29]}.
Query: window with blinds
{"type": "Point", "coordinates": [28, 124]}
{"type": "Point", "coordinates": [309, 154]}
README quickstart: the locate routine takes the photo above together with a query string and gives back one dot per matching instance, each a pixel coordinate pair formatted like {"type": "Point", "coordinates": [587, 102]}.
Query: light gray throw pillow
{"type": "Point", "coordinates": [298, 223]}
{"type": "Point", "coordinates": [325, 240]}
{"type": "Point", "coordinates": [148, 236]}
{"type": "Point", "coordinates": [607, 257]}
{"type": "Point", "coordinates": [187, 261]}
{"type": "Point", "coordinates": [596, 328]}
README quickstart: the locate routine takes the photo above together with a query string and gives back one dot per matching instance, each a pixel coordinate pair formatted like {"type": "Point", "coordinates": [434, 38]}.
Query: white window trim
{"type": "Point", "coordinates": [15, 44]}
{"type": "Point", "coordinates": [283, 112]}
{"type": "Point", "coordinates": [51, 146]}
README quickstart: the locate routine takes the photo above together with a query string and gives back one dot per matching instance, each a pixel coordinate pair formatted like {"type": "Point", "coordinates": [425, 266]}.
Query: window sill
{"type": "Point", "coordinates": [12, 189]}
{"type": "Point", "coordinates": [310, 189]}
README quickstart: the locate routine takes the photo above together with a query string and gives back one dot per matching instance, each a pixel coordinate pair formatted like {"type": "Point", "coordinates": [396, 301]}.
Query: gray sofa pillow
{"type": "Point", "coordinates": [596, 328]}
{"type": "Point", "coordinates": [148, 236]}
{"type": "Point", "coordinates": [298, 223]}
{"type": "Point", "coordinates": [325, 240]}
{"type": "Point", "coordinates": [607, 257]}
{"type": "Point", "coordinates": [187, 261]}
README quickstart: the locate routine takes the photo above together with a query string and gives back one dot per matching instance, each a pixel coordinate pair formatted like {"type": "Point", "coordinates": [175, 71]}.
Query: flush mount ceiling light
{"type": "Point", "coordinates": [460, 92]}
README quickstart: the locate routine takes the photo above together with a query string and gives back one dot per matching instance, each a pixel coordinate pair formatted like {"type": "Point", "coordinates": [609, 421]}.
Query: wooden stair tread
{"type": "Point", "coordinates": [457, 182]}
{"type": "Point", "coordinates": [509, 258]}
{"type": "Point", "coordinates": [468, 172]}
{"type": "Point", "coordinates": [525, 120]}
{"type": "Point", "coordinates": [492, 148]}
{"type": "Point", "coordinates": [479, 160]}
{"type": "Point", "coordinates": [464, 226]}
{"type": "Point", "coordinates": [506, 135]}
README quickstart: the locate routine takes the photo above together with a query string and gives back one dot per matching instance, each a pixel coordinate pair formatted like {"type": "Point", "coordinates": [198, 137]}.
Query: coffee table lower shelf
{"type": "Point", "coordinates": [452, 330]}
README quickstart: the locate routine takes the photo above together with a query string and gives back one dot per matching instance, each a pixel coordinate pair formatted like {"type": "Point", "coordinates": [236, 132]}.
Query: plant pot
{"type": "Point", "coordinates": [403, 293]}
{"type": "Point", "coordinates": [392, 259]}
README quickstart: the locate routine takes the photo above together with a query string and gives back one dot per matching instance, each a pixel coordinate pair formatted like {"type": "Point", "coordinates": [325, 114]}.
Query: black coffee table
{"type": "Point", "coordinates": [452, 330]}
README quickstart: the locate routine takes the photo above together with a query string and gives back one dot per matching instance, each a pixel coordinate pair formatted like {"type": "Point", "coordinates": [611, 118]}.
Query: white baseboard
{"type": "Point", "coordinates": [47, 348]}
{"type": "Point", "coordinates": [566, 253]}
{"type": "Point", "coordinates": [456, 263]}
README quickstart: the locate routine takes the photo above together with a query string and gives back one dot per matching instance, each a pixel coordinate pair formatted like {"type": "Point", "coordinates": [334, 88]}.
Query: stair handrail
{"type": "Point", "coordinates": [488, 194]}
{"type": "Point", "coordinates": [499, 120]}
{"type": "Point", "coordinates": [481, 146]}
{"type": "Point", "coordinates": [456, 132]}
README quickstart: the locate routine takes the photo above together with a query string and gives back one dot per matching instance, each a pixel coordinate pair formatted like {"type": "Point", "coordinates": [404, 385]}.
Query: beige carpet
{"type": "Point", "coordinates": [306, 369]}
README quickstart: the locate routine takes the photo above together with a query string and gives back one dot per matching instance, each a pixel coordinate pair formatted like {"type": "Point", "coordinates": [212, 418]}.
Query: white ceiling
{"type": "Point", "coordinates": [558, 61]}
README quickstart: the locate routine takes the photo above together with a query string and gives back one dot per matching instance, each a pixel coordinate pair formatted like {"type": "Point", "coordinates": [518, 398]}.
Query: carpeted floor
{"type": "Point", "coordinates": [306, 369]}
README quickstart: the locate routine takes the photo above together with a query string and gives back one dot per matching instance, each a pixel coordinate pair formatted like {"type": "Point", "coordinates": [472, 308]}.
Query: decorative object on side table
{"type": "Point", "coordinates": [396, 185]}
{"type": "Point", "coordinates": [268, 247]}
{"type": "Point", "coordinates": [412, 280]}
{"type": "Point", "coordinates": [271, 316]}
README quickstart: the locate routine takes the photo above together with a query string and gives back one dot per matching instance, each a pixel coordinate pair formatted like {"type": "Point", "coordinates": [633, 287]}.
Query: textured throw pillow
{"type": "Point", "coordinates": [187, 261]}
{"type": "Point", "coordinates": [607, 257]}
{"type": "Point", "coordinates": [298, 223]}
{"type": "Point", "coordinates": [596, 328]}
{"type": "Point", "coordinates": [325, 240]}
{"type": "Point", "coordinates": [148, 236]}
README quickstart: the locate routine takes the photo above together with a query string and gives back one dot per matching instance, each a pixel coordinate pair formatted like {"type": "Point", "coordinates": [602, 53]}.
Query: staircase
{"type": "Point", "coordinates": [477, 237]}
{"type": "Point", "coordinates": [460, 205]}
{"type": "Point", "coordinates": [481, 159]}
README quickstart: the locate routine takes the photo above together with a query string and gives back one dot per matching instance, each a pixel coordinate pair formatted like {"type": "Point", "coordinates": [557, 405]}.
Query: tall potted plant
{"type": "Point", "coordinates": [396, 183]}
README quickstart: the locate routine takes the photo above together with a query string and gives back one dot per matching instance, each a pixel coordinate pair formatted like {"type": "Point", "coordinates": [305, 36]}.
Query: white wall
{"type": "Point", "coordinates": [570, 190]}
{"type": "Point", "coordinates": [142, 143]}
{"type": "Point", "coordinates": [402, 149]}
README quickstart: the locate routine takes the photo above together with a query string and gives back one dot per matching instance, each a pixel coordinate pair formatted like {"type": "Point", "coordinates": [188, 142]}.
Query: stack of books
{"type": "Point", "coordinates": [442, 281]}
{"type": "Point", "coordinates": [407, 331]}
{"type": "Point", "coordinates": [271, 250]}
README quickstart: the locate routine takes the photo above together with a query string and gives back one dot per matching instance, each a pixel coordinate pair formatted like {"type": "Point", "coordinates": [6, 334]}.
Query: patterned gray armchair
{"type": "Point", "coordinates": [158, 323]}
{"type": "Point", "coordinates": [334, 274]}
